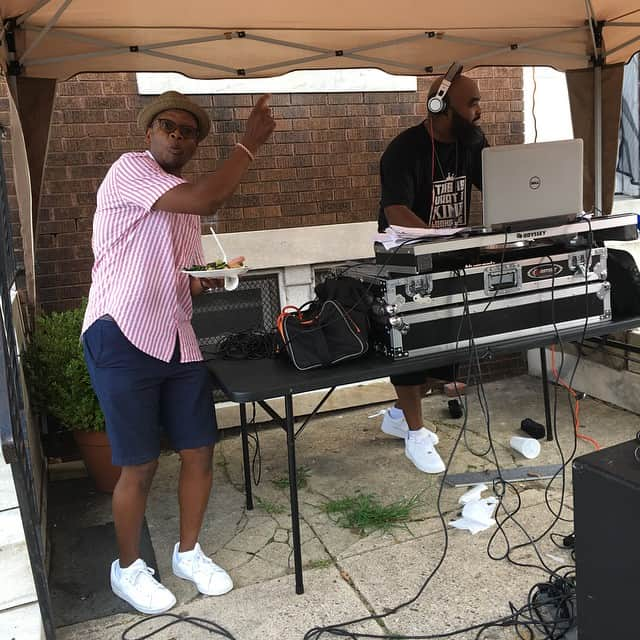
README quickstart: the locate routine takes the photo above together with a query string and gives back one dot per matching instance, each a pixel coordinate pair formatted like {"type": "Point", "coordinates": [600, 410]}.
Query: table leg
{"type": "Point", "coordinates": [545, 392]}
{"type": "Point", "coordinates": [293, 493]}
{"type": "Point", "coordinates": [245, 457]}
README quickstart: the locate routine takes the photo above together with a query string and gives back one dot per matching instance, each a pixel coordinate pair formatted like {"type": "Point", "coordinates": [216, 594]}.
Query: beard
{"type": "Point", "coordinates": [466, 133]}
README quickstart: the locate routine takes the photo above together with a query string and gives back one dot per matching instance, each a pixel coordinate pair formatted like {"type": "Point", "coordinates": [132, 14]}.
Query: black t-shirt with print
{"type": "Point", "coordinates": [440, 194]}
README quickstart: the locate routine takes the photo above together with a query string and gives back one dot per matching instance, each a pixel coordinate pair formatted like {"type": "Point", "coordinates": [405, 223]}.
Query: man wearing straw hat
{"type": "Point", "coordinates": [140, 348]}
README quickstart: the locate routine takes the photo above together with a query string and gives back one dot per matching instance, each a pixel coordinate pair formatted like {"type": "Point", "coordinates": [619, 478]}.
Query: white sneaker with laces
{"type": "Point", "coordinates": [193, 565]}
{"type": "Point", "coordinates": [421, 451]}
{"type": "Point", "coordinates": [136, 585]}
{"type": "Point", "coordinates": [399, 428]}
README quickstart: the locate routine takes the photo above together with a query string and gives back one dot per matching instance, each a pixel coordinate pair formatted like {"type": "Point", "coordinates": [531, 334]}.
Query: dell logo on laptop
{"type": "Point", "coordinates": [535, 182]}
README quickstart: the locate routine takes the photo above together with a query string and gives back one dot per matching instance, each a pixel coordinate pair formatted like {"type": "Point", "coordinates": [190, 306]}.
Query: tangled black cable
{"type": "Point", "coordinates": [256, 461]}
{"type": "Point", "coordinates": [550, 607]}
{"type": "Point", "coordinates": [250, 344]}
{"type": "Point", "coordinates": [202, 623]}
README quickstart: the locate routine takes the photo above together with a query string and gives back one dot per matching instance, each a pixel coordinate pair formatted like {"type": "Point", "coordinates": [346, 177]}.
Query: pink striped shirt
{"type": "Point", "coordinates": [139, 253]}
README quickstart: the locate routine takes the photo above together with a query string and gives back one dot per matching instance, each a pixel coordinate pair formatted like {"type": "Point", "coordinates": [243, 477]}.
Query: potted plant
{"type": "Point", "coordinates": [59, 386]}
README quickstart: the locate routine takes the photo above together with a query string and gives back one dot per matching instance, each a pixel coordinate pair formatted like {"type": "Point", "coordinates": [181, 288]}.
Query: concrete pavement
{"type": "Point", "coordinates": [349, 575]}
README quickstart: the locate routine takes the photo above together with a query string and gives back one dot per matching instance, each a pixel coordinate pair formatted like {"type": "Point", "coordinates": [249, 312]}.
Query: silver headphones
{"type": "Point", "coordinates": [437, 103]}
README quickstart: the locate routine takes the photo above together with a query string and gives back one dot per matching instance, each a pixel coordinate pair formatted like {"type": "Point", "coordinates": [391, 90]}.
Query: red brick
{"type": "Point", "coordinates": [400, 109]}
{"type": "Point", "coordinates": [86, 115]}
{"type": "Point", "coordinates": [46, 242]}
{"type": "Point", "coordinates": [57, 226]}
{"type": "Point", "coordinates": [328, 111]}
{"type": "Point", "coordinates": [86, 144]}
{"type": "Point", "coordinates": [291, 112]}
{"type": "Point", "coordinates": [118, 87]}
{"type": "Point", "coordinates": [329, 135]}
{"type": "Point", "coordinates": [313, 172]}
{"type": "Point", "coordinates": [219, 100]}
{"type": "Point", "coordinates": [294, 161]}
{"type": "Point", "coordinates": [306, 208]}
{"type": "Point", "coordinates": [333, 183]}
{"type": "Point", "coordinates": [345, 98]}
{"type": "Point", "coordinates": [118, 115]}
{"type": "Point", "coordinates": [281, 198]}
{"type": "Point", "coordinates": [66, 158]}
{"type": "Point", "coordinates": [262, 187]}
{"type": "Point", "coordinates": [87, 171]}
{"type": "Point", "coordinates": [334, 206]}
{"type": "Point", "coordinates": [296, 185]}
{"type": "Point", "coordinates": [73, 88]}
{"type": "Point", "coordinates": [316, 195]}
{"type": "Point", "coordinates": [308, 98]}
{"type": "Point", "coordinates": [292, 136]}
{"type": "Point", "coordinates": [320, 166]}
{"type": "Point", "coordinates": [76, 240]}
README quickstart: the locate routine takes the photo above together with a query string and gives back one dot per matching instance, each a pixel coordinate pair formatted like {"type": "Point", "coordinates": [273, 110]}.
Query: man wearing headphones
{"type": "Point", "coordinates": [426, 174]}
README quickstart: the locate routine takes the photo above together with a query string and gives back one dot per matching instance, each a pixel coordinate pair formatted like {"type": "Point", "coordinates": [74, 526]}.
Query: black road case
{"type": "Point", "coordinates": [424, 332]}
{"type": "Point", "coordinates": [420, 292]}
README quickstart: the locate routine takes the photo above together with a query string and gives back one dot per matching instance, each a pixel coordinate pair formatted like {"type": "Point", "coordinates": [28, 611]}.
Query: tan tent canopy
{"type": "Point", "coordinates": [200, 38]}
{"type": "Point", "coordinates": [48, 40]}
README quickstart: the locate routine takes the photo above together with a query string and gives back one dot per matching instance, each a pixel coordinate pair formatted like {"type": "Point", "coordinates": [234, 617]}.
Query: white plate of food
{"type": "Point", "coordinates": [212, 271]}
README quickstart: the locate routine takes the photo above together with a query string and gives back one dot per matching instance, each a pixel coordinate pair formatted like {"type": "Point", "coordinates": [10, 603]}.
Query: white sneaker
{"type": "Point", "coordinates": [399, 428]}
{"type": "Point", "coordinates": [421, 451]}
{"type": "Point", "coordinates": [193, 565]}
{"type": "Point", "coordinates": [139, 588]}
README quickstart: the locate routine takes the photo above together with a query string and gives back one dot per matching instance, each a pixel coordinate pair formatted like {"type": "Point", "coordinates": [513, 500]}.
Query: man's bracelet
{"type": "Point", "coordinates": [251, 156]}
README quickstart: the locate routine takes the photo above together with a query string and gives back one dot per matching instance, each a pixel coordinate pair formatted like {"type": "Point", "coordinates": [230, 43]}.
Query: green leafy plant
{"type": "Point", "coordinates": [56, 373]}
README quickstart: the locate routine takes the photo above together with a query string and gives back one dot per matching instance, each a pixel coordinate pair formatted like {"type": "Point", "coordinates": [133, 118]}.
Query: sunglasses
{"type": "Point", "coordinates": [169, 126]}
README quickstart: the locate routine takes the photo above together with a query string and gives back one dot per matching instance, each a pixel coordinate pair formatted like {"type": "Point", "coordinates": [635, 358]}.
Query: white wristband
{"type": "Point", "coordinates": [251, 156]}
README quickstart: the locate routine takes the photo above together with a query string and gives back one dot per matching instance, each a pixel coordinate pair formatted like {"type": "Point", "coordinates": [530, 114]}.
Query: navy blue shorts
{"type": "Point", "coordinates": [142, 396]}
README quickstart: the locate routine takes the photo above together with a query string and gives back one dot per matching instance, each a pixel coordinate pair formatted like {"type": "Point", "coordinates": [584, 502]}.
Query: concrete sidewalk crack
{"type": "Point", "coordinates": [344, 574]}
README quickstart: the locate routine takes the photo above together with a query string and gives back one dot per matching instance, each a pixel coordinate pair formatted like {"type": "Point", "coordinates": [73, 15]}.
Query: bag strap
{"type": "Point", "coordinates": [286, 311]}
{"type": "Point", "coordinates": [292, 310]}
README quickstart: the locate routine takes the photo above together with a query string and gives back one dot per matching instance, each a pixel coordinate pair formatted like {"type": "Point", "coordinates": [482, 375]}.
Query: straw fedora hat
{"type": "Point", "coordinates": [174, 100]}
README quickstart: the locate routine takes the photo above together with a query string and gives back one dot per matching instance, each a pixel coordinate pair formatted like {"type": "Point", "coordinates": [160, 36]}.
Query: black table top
{"type": "Point", "coordinates": [252, 380]}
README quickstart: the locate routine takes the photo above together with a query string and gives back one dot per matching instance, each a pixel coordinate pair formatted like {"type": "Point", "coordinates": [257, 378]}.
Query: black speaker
{"type": "Point", "coordinates": [606, 486]}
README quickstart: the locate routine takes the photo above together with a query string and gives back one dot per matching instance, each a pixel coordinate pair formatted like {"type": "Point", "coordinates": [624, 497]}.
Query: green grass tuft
{"type": "Point", "coordinates": [319, 564]}
{"type": "Point", "coordinates": [270, 507]}
{"type": "Point", "coordinates": [365, 513]}
{"type": "Point", "coordinates": [282, 482]}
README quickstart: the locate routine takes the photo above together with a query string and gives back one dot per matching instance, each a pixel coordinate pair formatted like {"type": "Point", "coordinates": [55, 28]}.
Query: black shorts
{"type": "Point", "coordinates": [447, 373]}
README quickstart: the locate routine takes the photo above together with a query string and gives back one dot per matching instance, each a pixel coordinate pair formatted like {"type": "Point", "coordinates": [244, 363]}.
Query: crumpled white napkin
{"type": "Point", "coordinates": [475, 493]}
{"type": "Point", "coordinates": [477, 515]}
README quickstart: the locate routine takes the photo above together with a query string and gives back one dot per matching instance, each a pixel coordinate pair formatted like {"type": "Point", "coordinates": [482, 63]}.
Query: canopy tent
{"type": "Point", "coordinates": [57, 39]}
{"type": "Point", "coordinates": [49, 40]}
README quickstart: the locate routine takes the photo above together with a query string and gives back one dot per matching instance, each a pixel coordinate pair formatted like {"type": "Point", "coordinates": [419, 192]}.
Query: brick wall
{"type": "Point", "coordinates": [320, 167]}
{"type": "Point", "coordinates": [5, 147]}
{"type": "Point", "coordinates": [502, 366]}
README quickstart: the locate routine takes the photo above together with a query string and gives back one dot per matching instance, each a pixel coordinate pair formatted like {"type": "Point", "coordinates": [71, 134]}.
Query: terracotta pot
{"type": "Point", "coordinates": [96, 454]}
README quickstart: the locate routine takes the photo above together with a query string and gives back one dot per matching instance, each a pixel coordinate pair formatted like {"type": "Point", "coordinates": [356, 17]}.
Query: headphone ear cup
{"type": "Point", "coordinates": [436, 105]}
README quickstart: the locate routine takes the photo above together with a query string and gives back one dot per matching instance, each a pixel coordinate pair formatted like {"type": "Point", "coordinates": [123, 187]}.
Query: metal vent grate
{"type": "Point", "coordinates": [255, 304]}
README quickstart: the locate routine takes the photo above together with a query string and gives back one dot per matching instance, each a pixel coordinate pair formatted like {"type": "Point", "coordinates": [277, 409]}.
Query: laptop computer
{"type": "Point", "coordinates": [526, 186]}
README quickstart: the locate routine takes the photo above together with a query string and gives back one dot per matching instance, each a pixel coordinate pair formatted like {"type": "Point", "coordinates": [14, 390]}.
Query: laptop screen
{"type": "Point", "coordinates": [532, 185]}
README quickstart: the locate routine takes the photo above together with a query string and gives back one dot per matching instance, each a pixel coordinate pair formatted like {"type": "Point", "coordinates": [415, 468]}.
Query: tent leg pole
{"type": "Point", "coordinates": [597, 138]}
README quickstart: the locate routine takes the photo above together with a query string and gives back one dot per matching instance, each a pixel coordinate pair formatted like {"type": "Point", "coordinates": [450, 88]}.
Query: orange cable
{"type": "Point", "coordinates": [576, 422]}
